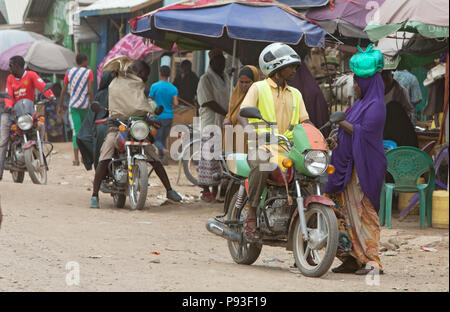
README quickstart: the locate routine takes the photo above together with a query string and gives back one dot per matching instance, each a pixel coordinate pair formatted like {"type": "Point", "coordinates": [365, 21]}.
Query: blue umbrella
{"type": "Point", "coordinates": [251, 25]}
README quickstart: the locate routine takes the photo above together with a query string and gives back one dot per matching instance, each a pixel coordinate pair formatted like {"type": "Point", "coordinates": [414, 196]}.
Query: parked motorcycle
{"type": "Point", "coordinates": [293, 213]}
{"type": "Point", "coordinates": [25, 151]}
{"type": "Point", "coordinates": [127, 174]}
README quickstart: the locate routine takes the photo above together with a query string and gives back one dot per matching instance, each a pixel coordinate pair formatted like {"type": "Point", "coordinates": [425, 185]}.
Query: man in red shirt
{"type": "Point", "coordinates": [21, 84]}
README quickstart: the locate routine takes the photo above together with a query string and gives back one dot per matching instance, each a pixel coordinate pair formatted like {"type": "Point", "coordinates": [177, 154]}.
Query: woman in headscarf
{"type": "Point", "coordinates": [247, 76]}
{"type": "Point", "coordinates": [356, 185]}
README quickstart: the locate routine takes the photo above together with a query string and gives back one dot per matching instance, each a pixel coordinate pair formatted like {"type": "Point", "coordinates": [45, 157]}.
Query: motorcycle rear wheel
{"type": "Point", "coordinates": [245, 253]}
{"type": "Point", "coordinates": [18, 176]}
{"type": "Point", "coordinates": [119, 200]}
{"type": "Point", "coordinates": [138, 190]}
{"type": "Point", "coordinates": [321, 220]}
{"type": "Point", "coordinates": [36, 170]}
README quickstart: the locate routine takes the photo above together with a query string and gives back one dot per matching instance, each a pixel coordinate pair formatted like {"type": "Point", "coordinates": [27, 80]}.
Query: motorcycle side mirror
{"type": "Point", "coordinates": [95, 107]}
{"type": "Point", "coordinates": [48, 86]}
{"type": "Point", "coordinates": [159, 110]}
{"type": "Point", "coordinates": [250, 112]}
{"type": "Point", "coordinates": [337, 117]}
{"type": "Point", "coordinates": [4, 95]}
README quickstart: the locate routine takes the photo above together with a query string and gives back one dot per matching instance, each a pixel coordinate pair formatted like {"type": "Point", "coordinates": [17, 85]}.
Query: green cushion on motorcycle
{"type": "Point", "coordinates": [367, 63]}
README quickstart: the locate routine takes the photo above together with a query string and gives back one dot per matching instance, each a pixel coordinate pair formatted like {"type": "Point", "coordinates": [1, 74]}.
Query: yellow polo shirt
{"type": "Point", "coordinates": [283, 101]}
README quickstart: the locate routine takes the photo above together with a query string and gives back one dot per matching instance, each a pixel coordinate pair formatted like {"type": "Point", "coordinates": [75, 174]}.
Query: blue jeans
{"type": "Point", "coordinates": [163, 133]}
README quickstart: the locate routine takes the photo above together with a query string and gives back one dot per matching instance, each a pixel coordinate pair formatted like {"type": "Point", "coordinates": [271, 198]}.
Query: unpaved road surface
{"type": "Point", "coordinates": [49, 233]}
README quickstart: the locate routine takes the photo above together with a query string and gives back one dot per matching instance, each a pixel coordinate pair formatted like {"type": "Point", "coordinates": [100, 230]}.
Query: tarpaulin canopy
{"type": "Point", "coordinates": [426, 17]}
{"type": "Point", "coordinates": [345, 18]}
{"type": "Point", "coordinates": [304, 4]}
{"type": "Point", "coordinates": [206, 24]}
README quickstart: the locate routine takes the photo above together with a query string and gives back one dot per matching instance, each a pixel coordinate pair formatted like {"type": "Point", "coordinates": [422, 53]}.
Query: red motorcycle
{"type": "Point", "coordinates": [25, 150]}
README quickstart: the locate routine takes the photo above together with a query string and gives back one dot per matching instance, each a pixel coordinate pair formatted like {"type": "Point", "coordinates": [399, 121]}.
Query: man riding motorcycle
{"type": "Point", "coordinates": [140, 71]}
{"type": "Point", "coordinates": [20, 85]}
{"type": "Point", "coordinates": [280, 105]}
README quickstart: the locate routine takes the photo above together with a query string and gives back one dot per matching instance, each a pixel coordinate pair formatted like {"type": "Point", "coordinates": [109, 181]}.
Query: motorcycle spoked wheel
{"type": "Point", "coordinates": [119, 200]}
{"type": "Point", "coordinates": [242, 253]}
{"type": "Point", "coordinates": [36, 170]}
{"type": "Point", "coordinates": [316, 262]}
{"type": "Point", "coordinates": [18, 176]}
{"type": "Point", "coordinates": [138, 190]}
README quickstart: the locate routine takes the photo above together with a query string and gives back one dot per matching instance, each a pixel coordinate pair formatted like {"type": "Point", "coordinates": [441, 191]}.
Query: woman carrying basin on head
{"type": "Point", "coordinates": [360, 164]}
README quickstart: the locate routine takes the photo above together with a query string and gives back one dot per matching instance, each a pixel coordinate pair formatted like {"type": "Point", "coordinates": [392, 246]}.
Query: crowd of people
{"type": "Point", "coordinates": [288, 95]}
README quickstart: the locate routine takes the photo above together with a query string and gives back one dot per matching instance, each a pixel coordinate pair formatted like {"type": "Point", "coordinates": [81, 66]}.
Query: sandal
{"type": "Point", "coordinates": [366, 270]}
{"type": "Point", "coordinates": [75, 163]}
{"type": "Point", "coordinates": [207, 197]}
{"type": "Point", "coordinates": [251, 234]}
{"type": "Point", "coordinates": [348, 266]}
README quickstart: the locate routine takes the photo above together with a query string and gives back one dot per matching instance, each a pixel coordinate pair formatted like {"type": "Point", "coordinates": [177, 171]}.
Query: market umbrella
{"type": "Point", "coordinates": [13, 37]}
{"type": "Point", "coordinates": [429, 18]}
{"type": "Point", "coordinates": [245, 27]}
{"type": "Point", "coordinates": [345, 18]}
{"type": "Point", "coordinates": [135, 48]}
{"type": "Point", "coordinates": [19, 49]}
{"type": "Point", "coordinates": [48, 57]}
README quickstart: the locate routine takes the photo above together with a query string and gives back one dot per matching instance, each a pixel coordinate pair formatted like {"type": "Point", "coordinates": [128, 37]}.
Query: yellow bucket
{"type": "Point", "coordinates": [439, 215]}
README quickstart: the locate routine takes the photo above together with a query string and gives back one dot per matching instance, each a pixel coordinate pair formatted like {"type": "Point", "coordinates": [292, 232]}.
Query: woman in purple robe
{"type": "Point", "coordinates": [356, 185]}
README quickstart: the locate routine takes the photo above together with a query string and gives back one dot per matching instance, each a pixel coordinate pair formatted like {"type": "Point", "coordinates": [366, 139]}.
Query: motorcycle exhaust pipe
{"type": "Point", "coordinates": [222, 230]}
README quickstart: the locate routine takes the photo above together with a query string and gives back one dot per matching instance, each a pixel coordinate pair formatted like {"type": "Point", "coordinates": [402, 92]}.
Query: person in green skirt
{"type": "Point", "coordinates": [79, 81]}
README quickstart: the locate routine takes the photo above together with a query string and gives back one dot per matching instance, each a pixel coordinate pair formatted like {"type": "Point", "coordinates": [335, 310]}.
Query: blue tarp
{"type": "Point", "coordinates": [242, 22]}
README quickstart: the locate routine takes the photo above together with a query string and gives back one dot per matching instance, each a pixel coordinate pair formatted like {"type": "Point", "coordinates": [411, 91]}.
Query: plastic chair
{"type": "Point", "coordinates": [406, 164]}
{"type": "Point", "coordinates": [437, 165]}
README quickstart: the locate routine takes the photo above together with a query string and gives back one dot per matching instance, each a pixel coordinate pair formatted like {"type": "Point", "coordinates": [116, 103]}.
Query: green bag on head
{"type": "Point", "coordinates": [367, 63]}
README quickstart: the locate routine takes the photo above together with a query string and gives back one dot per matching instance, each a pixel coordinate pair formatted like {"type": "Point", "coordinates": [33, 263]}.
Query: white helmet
{"type": "Point", "coordinates": [276, 56]}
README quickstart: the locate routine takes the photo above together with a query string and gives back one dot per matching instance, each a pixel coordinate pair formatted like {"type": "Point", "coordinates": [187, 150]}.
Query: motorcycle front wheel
{"type": "Point", "coordinates": [36, 169]}
{"type": "Point", "coordinates": [138, 189]}
{"type": "Point", "coordinates": [242, 253]}
{"type": "Point", "coordinates": [315, 256]}
{"type": "Point", "coordinates": [190, 162]}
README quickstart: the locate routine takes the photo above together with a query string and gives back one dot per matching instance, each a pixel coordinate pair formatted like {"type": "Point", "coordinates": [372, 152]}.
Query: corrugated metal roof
{"type": "Point", "coordinates": [103, 7]}
{"type": "Point", "coordinates": [37, 9]}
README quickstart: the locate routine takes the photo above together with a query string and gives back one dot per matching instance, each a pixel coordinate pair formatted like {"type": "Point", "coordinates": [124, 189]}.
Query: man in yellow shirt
{"type": "Point", "coordinates": [279, 104]}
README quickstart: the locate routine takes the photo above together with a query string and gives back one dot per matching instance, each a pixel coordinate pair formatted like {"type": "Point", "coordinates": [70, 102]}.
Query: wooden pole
{"type": "Point", "coordinates": [446, 97]}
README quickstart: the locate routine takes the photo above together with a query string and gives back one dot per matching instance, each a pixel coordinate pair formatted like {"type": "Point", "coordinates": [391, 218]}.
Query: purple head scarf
{"type": "Point", "coordinates": [364, 149]}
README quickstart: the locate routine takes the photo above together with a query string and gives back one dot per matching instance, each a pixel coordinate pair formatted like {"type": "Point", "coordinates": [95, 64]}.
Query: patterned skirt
{"type": "Point", "coordinates": [359, 220]}
{"type": "Point", "coordinates": [207, 168]}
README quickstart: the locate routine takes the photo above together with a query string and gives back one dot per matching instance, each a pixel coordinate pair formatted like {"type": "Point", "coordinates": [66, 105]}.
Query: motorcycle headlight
{"type": "Point", "coordinates": [139, 130]}
{"type": "Point", "coordinates": [25, 122]}
{"type": "Point", "coordinates": [316, 162]}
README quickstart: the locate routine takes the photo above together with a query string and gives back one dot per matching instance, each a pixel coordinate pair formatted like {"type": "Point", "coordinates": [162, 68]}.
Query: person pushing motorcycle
{"type": "Point", "coordinates": [141, 70]}
{"type": "Point", "coordinates": [21, 84]}
{"type": "Point", "coordinates": [280, 105]}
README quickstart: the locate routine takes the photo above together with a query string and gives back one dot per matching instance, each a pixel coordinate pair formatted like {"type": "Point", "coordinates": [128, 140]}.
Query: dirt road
{"type": "Point", "coordinates": [49, 233]}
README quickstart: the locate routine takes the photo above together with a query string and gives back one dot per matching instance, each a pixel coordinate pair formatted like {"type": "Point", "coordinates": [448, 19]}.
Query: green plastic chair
{"type": "Point", "coordinates": [406, 164]}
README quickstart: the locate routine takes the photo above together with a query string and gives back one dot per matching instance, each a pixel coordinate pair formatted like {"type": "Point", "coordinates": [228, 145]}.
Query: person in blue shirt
{"type": "Point", "coordinates": [164, 94]}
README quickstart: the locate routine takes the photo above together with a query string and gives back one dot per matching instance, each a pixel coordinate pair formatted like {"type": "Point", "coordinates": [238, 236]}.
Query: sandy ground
{"type": "Point", "coordinates": [49, 233]}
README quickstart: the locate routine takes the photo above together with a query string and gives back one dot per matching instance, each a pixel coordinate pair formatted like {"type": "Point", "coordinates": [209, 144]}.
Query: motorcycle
{"type": "Point", "coordinates": [293, 213]}
{"type": "Point", "coordinates": [25, 152]}
{"type": "Point", "coordinates": [127, 171]}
